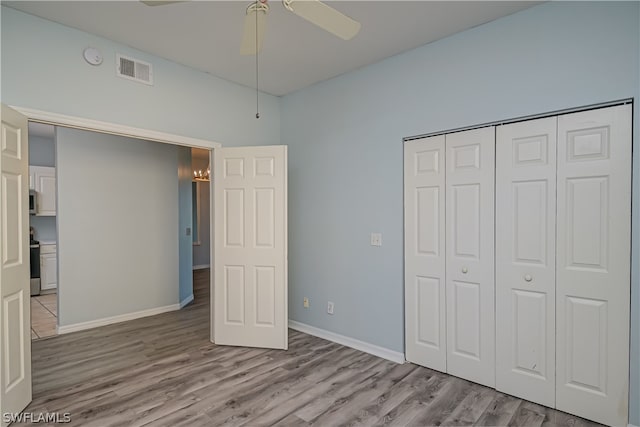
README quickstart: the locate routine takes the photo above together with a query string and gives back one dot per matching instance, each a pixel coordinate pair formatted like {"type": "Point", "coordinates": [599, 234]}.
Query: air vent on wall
{"type": "Point", "coordinates": [134, 69]}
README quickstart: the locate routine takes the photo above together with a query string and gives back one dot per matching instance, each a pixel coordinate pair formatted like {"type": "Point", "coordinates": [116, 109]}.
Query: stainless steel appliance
{"type": "Point", "coordinates": [34, 258]}
{"type": "Point", "coordinates": [32, 202]}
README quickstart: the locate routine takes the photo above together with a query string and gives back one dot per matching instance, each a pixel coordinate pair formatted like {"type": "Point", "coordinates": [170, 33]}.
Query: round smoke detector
{"type": "Point", "coordinates": [92, 56]}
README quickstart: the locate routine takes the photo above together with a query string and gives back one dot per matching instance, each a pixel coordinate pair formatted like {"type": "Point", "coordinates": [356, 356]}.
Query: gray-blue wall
{"type": "Point", "coordinates": [45, 227]}
{"type": "Point", "coordinates": [185, 221]}
{"type": "Point", "coordinates": [131, 265]}
{"type": "Point", "coordinates": [43, 68]}
{"type": "Point", "coordinates": [42, 151]}
{"type": "Point", "coordinates": [345, 148]}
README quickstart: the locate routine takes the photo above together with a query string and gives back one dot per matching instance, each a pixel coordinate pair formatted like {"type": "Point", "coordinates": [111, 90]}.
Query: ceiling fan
{"type": "Point", "coordinates": [314, 11]}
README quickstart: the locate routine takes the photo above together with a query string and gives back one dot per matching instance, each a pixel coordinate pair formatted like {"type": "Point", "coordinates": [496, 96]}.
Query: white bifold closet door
{"type": "Point", "coordinates": [557, 332]}
{"type": "Point", "coordinates": [424, 213]}
{"type": "Point", "coordinates": [525, 259]}
{"type": "Point", "coordinates": [593, 264]}
{"type": "Point", "coordinates": [470, 172]}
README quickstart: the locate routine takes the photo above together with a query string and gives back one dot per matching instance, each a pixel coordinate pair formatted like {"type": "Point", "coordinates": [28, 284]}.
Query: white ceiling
{"type": "Point", "coordinates": [206, 35]}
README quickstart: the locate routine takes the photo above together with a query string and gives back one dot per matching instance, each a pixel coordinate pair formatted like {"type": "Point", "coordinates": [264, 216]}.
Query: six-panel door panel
{"type": "Point", "coordinates": [15, 342]}
{"type": "Point", "coordinates": [593, 271]}
{"type": "Point", "coordinates": [470, 328]}
{"type": "Point", "coordinates": [262, 217]}
{"type": "Point", "coordinates": [250, 259]}
{"type": "Point", "coordinates": [425, 252]}
{"type": "Point", "coordinates": [525, 259]}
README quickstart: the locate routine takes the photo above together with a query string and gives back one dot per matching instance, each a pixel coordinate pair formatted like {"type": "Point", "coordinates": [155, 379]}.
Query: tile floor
{"type": "Point", "coordinates": [44, 316]}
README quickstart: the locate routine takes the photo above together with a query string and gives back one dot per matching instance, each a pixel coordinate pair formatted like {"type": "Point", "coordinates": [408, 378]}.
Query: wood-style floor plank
{"type": "Point", "coordinates": [477, 399]}
{"type": "Point", "coordinates": [164, 371]}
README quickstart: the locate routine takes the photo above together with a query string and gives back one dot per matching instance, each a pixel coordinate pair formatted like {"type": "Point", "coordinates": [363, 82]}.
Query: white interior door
{"type": "Point", "coordinates": [424, 252]}
{"type": "Point", "coordinates": [470, 254]}
{"type": "Point", "coordinates": [525, 259]}
{"type": "Point", "coordinates": [15, 315]}
{"type": "Point", "coordinates": [250, 251]}
{"type": "Point", "coordinates": [593, 264]}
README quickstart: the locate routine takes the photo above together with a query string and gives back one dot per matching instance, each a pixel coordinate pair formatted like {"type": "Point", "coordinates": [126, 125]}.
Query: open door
{"type": "Point", "coordinates": [15, 313]}
{"type": "Point", "coordinates": [250, 250]}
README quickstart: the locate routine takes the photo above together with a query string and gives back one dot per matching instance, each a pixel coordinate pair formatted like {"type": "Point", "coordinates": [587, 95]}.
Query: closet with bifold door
{"type": "Point", "coordinates": [517, 258]}
{"type": "Point", "coordinates": [449, 267]}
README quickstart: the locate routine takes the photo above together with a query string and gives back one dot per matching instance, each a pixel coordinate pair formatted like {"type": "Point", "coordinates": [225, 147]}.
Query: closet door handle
{"type": "Point", "coordinates": [465, 270]}
{"type": "Point", "coordinates": [528, 278]}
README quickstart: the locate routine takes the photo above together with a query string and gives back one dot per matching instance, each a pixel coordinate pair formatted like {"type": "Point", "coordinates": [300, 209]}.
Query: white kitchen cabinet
{"type": "Point", "coordinates": [48, 267]}
{"type": "Point", "coordinates": [44, 182]}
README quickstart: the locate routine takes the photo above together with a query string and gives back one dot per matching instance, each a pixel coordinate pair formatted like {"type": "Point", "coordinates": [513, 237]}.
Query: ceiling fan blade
{"type": "Point", "coordinates": [160, 2]}
{"type": "Point", "coordinates": [325, 17]}
{"type": "Point", "coordinates": [249, 46]}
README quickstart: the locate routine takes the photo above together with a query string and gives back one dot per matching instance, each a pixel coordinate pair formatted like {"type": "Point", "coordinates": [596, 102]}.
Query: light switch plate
{"type": "Point", "coordinates": [329, 307]}
{"type": "Point", "coordinates": [376, 239]}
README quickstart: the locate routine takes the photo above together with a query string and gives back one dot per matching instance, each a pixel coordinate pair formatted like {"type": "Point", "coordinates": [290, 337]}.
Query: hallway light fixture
{"type": "Point", "coordinates": [199, 175]}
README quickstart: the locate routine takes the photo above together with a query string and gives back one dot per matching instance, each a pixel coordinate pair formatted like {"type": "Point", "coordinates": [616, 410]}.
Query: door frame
{"type": "Point", "coordinates": [507, 121]}
{"type": "Point", "coordinates": [76, 122]}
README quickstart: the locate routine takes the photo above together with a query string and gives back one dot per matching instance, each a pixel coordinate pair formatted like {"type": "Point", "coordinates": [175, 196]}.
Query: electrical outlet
{"type": "Point", "coordinates": [305, 302]}
{"type": "Point", "coordinates": [376, 239]}
{"type": "Point", "coordinates": [329, 307]}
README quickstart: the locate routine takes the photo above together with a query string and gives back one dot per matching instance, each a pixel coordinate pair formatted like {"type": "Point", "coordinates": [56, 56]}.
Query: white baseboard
{"type": "Point", "coordinates": [186, 301]}
{"type": "Point", "coordinates": [200, 266]}
{"type": "Point", "coordinates": [631, 425]}
{"type": "Point", "coordinates": [382, 352]}
{"type": "Point", "coordinates": [65, 329]}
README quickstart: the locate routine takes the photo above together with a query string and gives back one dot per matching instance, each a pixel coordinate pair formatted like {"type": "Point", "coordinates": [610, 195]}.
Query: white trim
{"type": "Point", "coordinates": [201, 266]}
{"type": "Point", "coordinates": [186, 301]}
{"type": "Point", "coordinates": [113, 128]}
{"type": "Point", "coordinates": [382, 352]}
{"type": "Point", "coordinates": [631, 425]}
{"type": "Point", "coordinates": [65, 329]}
{"type": "Point", "coordinates": [212, 256]}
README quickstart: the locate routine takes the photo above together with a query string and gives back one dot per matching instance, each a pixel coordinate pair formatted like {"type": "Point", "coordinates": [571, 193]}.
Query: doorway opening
{"type": "Point", "coordinates": [42, 227]}
{"type": "Point", "coordinates": [201, 207]}
{"type": "Point", "coordinates": [97, 185]}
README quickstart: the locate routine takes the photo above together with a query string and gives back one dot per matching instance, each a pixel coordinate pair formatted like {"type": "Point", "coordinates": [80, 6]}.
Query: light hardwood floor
{"type": "Point", "coordinates": [163, 371]}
